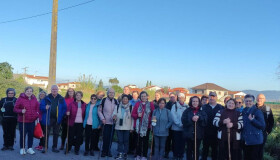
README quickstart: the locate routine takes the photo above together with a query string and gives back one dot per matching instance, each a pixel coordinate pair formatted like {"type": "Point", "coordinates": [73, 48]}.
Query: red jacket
{"type": "Point", "coordinates": [73, 109]}
{"type": "Point", "coordinates": [134, 113]}
{"type": "Point", "coordinates": [31, 106]}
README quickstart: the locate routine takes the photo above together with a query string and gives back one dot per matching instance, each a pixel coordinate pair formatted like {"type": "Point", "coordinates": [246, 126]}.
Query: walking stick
{"type": "Point", "coordinates": [195, 141]}
{"type": "Point", "coordinates": [152, 144]}
{"type": "Point", "coordinates": [101, 144]}
{"type": "Point", "coordinates": [67, 136]}
{"type": "Point", "coordinates": [46, 138]}
{"type": "Point", "coordinates": [229, 154]}
{"type": "Point", "coordinates": [23, 135]}
{"type": "Point", "coordinates": [111, 138]}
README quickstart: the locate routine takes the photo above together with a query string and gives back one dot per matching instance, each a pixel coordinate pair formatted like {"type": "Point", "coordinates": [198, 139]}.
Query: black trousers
{"type": "Point", "coordinates": [55, 127]}
{"type": "Point", "coordinates": [223, 151]}
{"type": "Point", "coordinates": [253, 152]}
{"type": "Point", "coordinates": [108, 134]}
{"type": "Point", "coordinates": [262, 145]}
{"type": "Point", "coordinates": [9, 130]}
{"type": "Point", "coordinates": [207, 143]}
{"type": "Point", "coordinates": [132, 141]}
{"type": "Point", "coordinates": [190, 149]}
{"type": "Point", "coordinates": [63, 131]}
{"type": "Point", "coordinates": [92, 137]}
{"type": "Point", "coordinates": [76, 136]}
{"type": "Point", "coordinates": [168, 144]}
{"type": "Point", "coordinates": [179, 144]}
{"type": "Point", "coordinates": [142, 144]}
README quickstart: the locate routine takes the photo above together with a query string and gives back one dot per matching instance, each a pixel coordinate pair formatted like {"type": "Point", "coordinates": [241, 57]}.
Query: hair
{"type": "Point", "coordinates": [143, 92]}
{"type": "Point", "coordinates": [125, 96]}
{"type": "Point", "coordinates": [109, 90]}
{"type": "Point", "coordinates": [191, 100]}
{"type": "Point", "coordinates": [226, 99]}
{"type": "Point", "coordinates": [97, 93]}
{"type": "Point", "coordinates": [162, 99]}
{"type": "Point", "coordinates": [204, 96]}
{"type": "Point", "coordinates": [79, 92]}
{"type": "Point", "coordinates": [181, 95]}
{"type": "Point", "coordinates": [250, 96]}
{"type": "Point", "coordinates": [67, 94]}
{"type": "Point", "coordinates": [11, 89]}
{"type": "Point", "coordinates": [54, 86]}
{"type": "Point", "coordinates": [27, 88]}
{"type": "Point", "coordinates": [171, 94]}
{"type": "Point", "coordinates": [42, 92]}
{"type": "Point", "coordinates": [239, 98]}
{"type": "Point", "coordinates": [231, 99]}
{"type": "Point", "coordinates": [135, 92]}
{"type": "Point", "coordinates": [126, 87]}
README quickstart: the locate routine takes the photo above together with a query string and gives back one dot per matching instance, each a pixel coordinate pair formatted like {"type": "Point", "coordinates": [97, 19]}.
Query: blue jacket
{"type": "Point", "coordinates": [62, 108]}
{"type": "Point", "coordinates": [95, 118]}
{"type": "Point", "coordinates": [164, 122]}
{"type": "Point", "coordinates": [252, 132]}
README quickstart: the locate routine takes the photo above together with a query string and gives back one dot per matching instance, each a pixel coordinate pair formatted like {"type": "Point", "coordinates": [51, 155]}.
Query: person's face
{"type": "Point", "coordinates": [126, 91]}
{"type": "Point", "coordinates": [261, 100]}
{"type": "Point", "coordinates": [239, 103]}
{"type": "Point", "coordinates": [93, 100]}
{"type": "Point", "coordinates": [54, 91]}
{"type": "Point", "coordinates": [172, 98]}
{"type": "Point", "coordinates": [135, 95]}
{"type": "Point", "coordinates": [212, 99]}
{"type": "Point", "coordinates": [182, 99]}
{"type": "Point", "coordinates": [78, 97]}
{"type": "Point", "coordinates": [161, 104]}
{"type": "Point", "coordinates": [144, 97]}
{"type": "Point", "coordinates": [195, 102]}
{"type": "Point", "coordinates": [11, 94]}
{"type": "Point", "coordinates": [111, 94]}
{"type": "Point", "coordinates": [71, 92]}
{"type": "Point", "coordinates": [230, 104]}
{"type": "Point", "coordinates": [157, 96]}
{"type": "Point", "coordinates": [42, 96]}
{"type": "Point", "coordinates": [204, 101]}
{"type": "Point", "coordinates": [249, 102]}
{"type": "Point", "coordinates": [29, 92]}
{"type": "Point", "coordinates": [100, 95]}
{"type": "Point", "coordinates": [125, 100]}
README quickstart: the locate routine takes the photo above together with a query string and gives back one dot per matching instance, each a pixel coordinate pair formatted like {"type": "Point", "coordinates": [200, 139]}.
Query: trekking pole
{"type": "Point", "coordinates": [23, 135]}
{"type": "Point", "coordinates": [229, 154]}
{"type": "Point", "coordinates": [67, 135]}
{"type": "Point", "coordinates": [111, 138]}
{"type": "Point", "coordinates": [195, 141]}
{"type": "Point", "coordinates": [152, 144]}
{"type": "Point", "coordinates": [46, 138]}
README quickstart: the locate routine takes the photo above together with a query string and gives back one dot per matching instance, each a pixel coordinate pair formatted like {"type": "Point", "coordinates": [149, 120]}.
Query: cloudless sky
{"type": "Point", "coordinates": [176, 43]}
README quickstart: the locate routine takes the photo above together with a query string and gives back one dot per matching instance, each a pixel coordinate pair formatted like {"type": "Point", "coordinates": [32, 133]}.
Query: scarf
{"type": "Point", "coordinates": [143, 127]}
{"type": "Point", "coordinates": [125, 110]}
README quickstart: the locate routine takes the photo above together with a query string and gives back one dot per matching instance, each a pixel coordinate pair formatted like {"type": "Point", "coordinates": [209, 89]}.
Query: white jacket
{"type": "Point", "coordinates": [127, 119]}
{"type": "Point", "coordinates": [177, 115]}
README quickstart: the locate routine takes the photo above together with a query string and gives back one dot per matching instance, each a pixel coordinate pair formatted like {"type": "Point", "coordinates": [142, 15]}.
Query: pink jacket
{"type": "Point", "coordinates": [73, 108]}
{"type": "Point", "coordinates": [134, 113]}
{"type": "Point", "coordinates": [108, 110]}
{"type": "Point", "coordinates": [31, 106]}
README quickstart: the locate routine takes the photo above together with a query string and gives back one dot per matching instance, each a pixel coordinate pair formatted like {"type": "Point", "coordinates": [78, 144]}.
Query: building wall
{"type": "Point", "coordinates": [32, 81]}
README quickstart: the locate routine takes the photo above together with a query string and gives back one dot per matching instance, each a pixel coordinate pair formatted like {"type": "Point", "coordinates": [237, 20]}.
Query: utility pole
{"type": "Point", "coordinates": [25, 70]}
{"type": "Point", "coordinates": [52, 64]}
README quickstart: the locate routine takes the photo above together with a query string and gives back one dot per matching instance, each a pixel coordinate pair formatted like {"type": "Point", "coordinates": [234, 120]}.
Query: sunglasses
{"type": "Point", "coordinates": [93, 98]}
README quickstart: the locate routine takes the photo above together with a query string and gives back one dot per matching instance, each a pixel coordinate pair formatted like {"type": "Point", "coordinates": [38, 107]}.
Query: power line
{"type": "Point", "coordinates": [43, 14]}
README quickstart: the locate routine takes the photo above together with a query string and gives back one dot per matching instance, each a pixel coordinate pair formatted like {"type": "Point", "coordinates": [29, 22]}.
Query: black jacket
{"type": "Point", "coordinates": [8, 104]}
{"type": "Point", "coordinates": [211, 131]}
{"type": "Point", "coordinates": [268, 117]}
{"type": "Point", "coordinates": [188, 124]}
{"type": "Point", "coordinates": [169, 105]}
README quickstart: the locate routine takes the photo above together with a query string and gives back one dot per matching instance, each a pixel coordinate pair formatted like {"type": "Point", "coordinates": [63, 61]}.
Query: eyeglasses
{"type": "Point", "coordinates": [239, 102]}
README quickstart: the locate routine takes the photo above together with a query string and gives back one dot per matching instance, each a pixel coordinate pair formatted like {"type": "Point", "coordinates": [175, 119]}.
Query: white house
{"type": "Point", "coordinates": [132, 86]}
{"type": "Point", "coordinates": [152, 88]}
{"type": "Point", "coordinates": [39, 81]}
{"type": "Point", "coordinates": [235, 94]}
{"type": "Point", "coordinates": [68, 85]}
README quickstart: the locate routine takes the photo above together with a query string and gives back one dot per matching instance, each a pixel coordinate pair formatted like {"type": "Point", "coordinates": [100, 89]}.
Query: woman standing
{"type": "Point", "coordinates": [177, 127]}
{"type": "Point", "coordinates": [76, 113]}
{"type": "Point", "coordinates": [193, 118]}
{"type": "Point", "coordinates": [27, 108]}
{"type": "Point", "coordinates": [41, 96]}
{"type": "Point", "coordinates": [142, 115]}
{"type": "Point", "coordinates": [230, 122]}
{"type": "Point", "coordinates": [91, 125]}
{"type": "Point", "coordinates": [122, 116]}
{"type": "Point", "coordinates": [162, 121]}
{"type": "Point", "coordinates": [69, 98]}
{"type": "Point", "coordinates": [9, 121]}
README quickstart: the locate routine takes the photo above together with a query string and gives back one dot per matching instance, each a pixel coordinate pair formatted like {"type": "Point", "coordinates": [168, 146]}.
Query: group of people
{"type": "Point", "coordinates": [231, 131]}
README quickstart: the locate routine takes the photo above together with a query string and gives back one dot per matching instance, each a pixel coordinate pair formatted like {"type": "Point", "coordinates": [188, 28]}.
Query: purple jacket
{"type": "Point", "coordinates": [73, 109]}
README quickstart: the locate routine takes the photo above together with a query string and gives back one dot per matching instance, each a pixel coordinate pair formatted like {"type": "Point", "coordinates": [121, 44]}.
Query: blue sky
{"type": "Point", "coordinates": [176, 43]}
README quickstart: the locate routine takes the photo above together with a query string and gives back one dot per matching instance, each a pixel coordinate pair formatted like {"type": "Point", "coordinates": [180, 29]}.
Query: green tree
{"type": "Point", "coordinates": [150, 83]}
{"type": "Point", "coordinates": [165, 89]}
{"type": "Point", "coordinates": [114, 81]}
{"type": "Point", "coordinates": [100, 86]}
{"type": "Point", "coordinates": [87, 83]}
{"type": "Point", "coordinates": [147, 84]}
{"type": "Point", "coordinates": [6, 71]}
{"type": "Point", "coordinates": [117, 89]}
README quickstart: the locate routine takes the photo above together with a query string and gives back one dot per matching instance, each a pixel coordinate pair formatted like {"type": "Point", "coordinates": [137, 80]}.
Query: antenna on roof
{"type": "Point", "coordinates": [25, 70]}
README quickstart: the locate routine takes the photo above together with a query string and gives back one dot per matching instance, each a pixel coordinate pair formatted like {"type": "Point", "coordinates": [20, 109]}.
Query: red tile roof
{"type": "Point", "coordinates": [210, 86]}
{"type": "Point", "coordinates": [36, 77]}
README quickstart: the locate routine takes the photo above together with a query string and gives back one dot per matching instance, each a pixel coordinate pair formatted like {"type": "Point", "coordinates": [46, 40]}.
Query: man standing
{"type": "Point", "coordinates": [268, 118]}
{"type": "Point", "coordinates": [56, 107]}
{"type": "Point", "coordinates": [126, 91]}
{"type": "Point", "coordinates": [210, 135]}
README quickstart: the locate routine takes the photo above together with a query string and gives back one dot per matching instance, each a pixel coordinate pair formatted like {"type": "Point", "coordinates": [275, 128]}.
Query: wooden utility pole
{"type": "Point", "coordinates": [52, 64]}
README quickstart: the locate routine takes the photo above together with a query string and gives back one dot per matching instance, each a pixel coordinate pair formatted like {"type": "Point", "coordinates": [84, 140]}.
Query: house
{"type": "Point", "coordinates": [135, 89]}
{"type": "Point", "coordinates": [179, 90]}
{"type": "Point", "coordinates": [206, 88]}
{"type": "Point", "coordinates": [132, 86]}
{"type": "Point", "coordinates": [68, 85]}
{"type": "Point", "coordinates": [152, 88]}
{"type": "Point", "coordinates": [235, 94]}
{"type": "Point", "coordinates": [34, 80]}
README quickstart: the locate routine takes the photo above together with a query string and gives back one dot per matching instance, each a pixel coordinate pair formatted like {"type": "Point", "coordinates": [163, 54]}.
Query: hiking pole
{"type": "Point", "coordinates": [152, 144]}
{"type": "Point", "coordinates": [111, 138]}
{"type": "Point", "coordinates": [195, 141]}
{"type": "Point", "coordinates": [67, 135]}
{"type": "Point", "coordinates": [46, 138]}
{"type": "Point", "coordinates": [23, 135]}
{"type": "Point", "coordinates": [229, 154]}
{"type": "Point", "coordinates": [101, 144]}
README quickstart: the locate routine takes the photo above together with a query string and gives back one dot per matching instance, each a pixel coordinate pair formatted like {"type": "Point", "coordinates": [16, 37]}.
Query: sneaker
{"type": "Point", "coordinates": [119, 156]}
{"type": "Point", "coordinates": [22, 151]}
{"type": "Point", "coordinates": [124, 156]}
{"type": "Point", "coordinates": [39, 148]}
{"type": "Point", "coordinates": [4, 148]}
{"type": "Point", "coordinates": [30, 151]}
{"type": "Point", "coordinates": [138, 158]}
{"type": "Point", "coordinates": [11, 148]}
{"type": "Point", "coordinates": [143, 158]}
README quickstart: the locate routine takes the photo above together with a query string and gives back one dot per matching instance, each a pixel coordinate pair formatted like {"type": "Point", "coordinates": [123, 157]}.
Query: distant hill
{"type": "Point", "coordinates": [271, 95]}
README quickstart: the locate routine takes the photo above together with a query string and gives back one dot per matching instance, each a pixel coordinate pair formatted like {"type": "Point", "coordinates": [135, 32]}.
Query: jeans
{"type": "Point", "coordinates": [159, 146]}
{"type": "Point", "coordinates": [143, 144]}
{"type": "Point", "coordinates": [123, 139]}
{"type": "Point", "coordinates": [28, 129]}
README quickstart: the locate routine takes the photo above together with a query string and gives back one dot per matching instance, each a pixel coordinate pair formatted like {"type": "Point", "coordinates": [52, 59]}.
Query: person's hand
{"type": "Point", "coordinates": [140, 115]}
{"type": "Point", "coordinates": [115, 117]}
{"type": "Point", "coordinates": [68, 113]}
{"type": "Point", "coordinates": [131, 131]}
{"type": "Point", "coordinates": [23, 111]}
{"type": "Point", "coordinates": [226, 121]}
{"type": "Point", "coordinates": [195, 118]}
{"type": "Point", "coordinates": [229, 125]}
{"type": "Point", "coordinates": [251, 117]}
{"type": "Point", "coordinates": [47, 107]}
{"type": "Point", "coordinates": [99, 127]}
{"type": "Point", "coordinates": [103, 121]}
